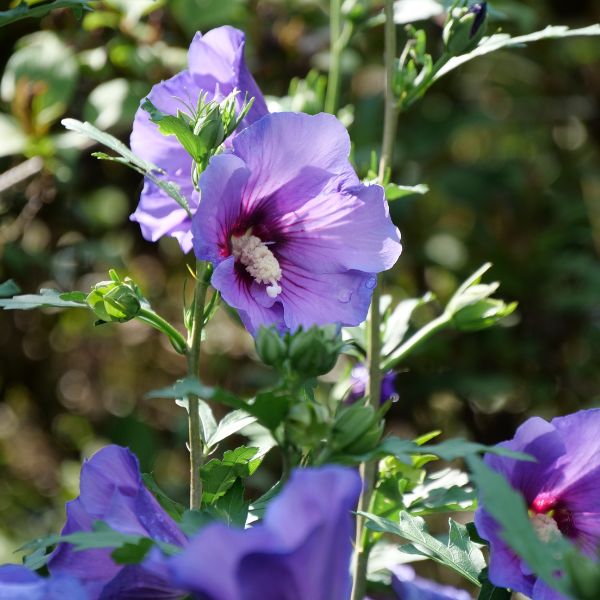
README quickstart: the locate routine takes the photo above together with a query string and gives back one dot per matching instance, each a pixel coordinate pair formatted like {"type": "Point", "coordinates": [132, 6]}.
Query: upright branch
{"type": "Point", "coordinates": [193, 359]}
{"type": "Point", "coordinates": [369, 468]}
{"type": "Point", "coordinates": [335, 56]}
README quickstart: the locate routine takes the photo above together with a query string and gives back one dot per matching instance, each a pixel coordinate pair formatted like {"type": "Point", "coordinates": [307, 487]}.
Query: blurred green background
{"type": "Point", "coordinates": [509, 146]}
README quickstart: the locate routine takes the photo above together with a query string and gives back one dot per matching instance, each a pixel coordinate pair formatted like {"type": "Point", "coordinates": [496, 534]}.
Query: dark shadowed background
{"type": "Point", "coordinates": [509, 146]}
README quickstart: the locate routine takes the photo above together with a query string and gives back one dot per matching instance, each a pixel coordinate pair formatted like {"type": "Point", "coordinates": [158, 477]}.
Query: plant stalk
{"type": "Point", "coordinates": [335, 52]}
{"type": "Point", "coordinates": [193, 360]}
{"type": "Point", "coordinates": [369, 469]}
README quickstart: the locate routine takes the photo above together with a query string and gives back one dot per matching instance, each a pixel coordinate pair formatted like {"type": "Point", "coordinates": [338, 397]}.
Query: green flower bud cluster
{"type": "Point", "coordinates": [117, 300]}
{"type": "Point", "coordinates": [465, 28]}
{"type": "Point", "coordinates": [308, 353]}
{"type": "Point", "coordinates": [357, 429]}
{"type": "Point", "coordinates": [203, 132]}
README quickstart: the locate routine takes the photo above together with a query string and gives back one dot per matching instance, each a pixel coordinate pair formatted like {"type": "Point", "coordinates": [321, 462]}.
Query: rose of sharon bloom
{"type": "Point", "coordinates": [216, 66]}
{"type": "Point", "coordinates": [359, 378]}
{"type": "Point", "coordinates": [19, 583]}
{"type": "Point", "coordinates": [111, 490]}
{"type": "Point", "coordinates": [409, 586]}
{"type": "Point", "coordinates": [561, 490]}
{"type": "Point", "coordinates": [295, 238]}
{"type": "Point", "coordinates": [301, 549]}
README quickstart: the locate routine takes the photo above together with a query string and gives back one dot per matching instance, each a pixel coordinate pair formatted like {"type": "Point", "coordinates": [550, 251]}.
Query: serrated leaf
{"type": "Point", "coordinates": [501, 41]}
{"type": "Point", "coordinates": [269, 408]}
{"type": "Point", "coordinates": [191, 385]}
{"type": "Point", "coordinates": [229, 425]}
{"type": "Point", "coordinates": [46, 298]}
{"type": "Point", "coordinates": [218, 475]}
{"type": "Point", "coordinates": [193, 520]}
{"type": "Point", "coordinates": [489, 591]}
{"type": "Point", "coordinates": [460, 554]}
{"type": "Point", "coordinates": [23, 11]}
{"type": "Point", "coordinates": [397, 323]}
{"type": "Point", "coordinates": [128, 158]}
{"type": "Point", "coordinates": [232, 508]}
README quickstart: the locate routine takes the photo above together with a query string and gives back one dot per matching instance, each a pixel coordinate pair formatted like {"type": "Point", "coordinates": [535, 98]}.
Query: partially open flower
{"type": "Point", "coordinates": [561, 491]}
{"type": "Point", "coordinates": [295, 238]}
{"type": "Point", "coordinates": [215, 67]}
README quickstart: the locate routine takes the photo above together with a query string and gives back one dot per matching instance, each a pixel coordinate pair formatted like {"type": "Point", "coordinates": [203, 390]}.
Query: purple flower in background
{"type": "Point", "coordinates": [359, 378]}
{"type": "Point", "coordinates": [19, 583]}
{"type": "Point", "coordinates": [295, 238]}
{"type": "Point", "coordinates": [301, 550]}
{"type": "Point", "coordinates": [409, 586]}
{"type": "Point", "coordinates": [111, 490]}
{"type": "Point", "coordinates": [561, 491]}
{"type": "Point", "coordinates": [216, 66]}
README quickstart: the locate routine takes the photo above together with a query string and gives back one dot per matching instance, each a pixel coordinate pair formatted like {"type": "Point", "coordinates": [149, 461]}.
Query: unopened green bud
{"type": "Point", "coordinates": [465, 28]}
{"type": "Point", "coordinates": [357, 429]}
{"type": "Point", "coordinates": [270, 346]}
{"type": "Point", "coordinates": [482, 314]}
{"type": "Point", "coordinates": [116, 300]}
{"type": "Point", "coordinates": [315, 351]}
{"type": "Point", "coordinates": [306, 425]}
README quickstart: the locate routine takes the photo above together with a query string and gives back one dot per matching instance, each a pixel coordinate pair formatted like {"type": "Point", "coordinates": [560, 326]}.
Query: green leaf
{"type": "Point", "coordinates": [191, 385]}
{"type": "Point", "coordinates": [193, 520]}
{"type": "Point", "coordinates": [393, 191]}
{"type": "Point", "coordinates": [458, 448]}
{"type": "Point", "coordinates": [259, 506]}
{"type": "Point", "coordinates": [46, 298]}
{"type": "Point", "coordinates": [508, 508]}
{"type": "Point", "coordinates": [127, 157]}
{"type": "Point", "coordinates": [26, 11]}
{"type": "Point", "coordinates": [218, 475]}
{"type": "Point", "coordinates": [501, 41]}
{"type": "Point", "coordinates": [173, 508]}
{"type": "Point", "coordinates": [397, 321]}
{"type": "Point", "coordinates": [132, 553]}
{"type": "Point", "coordinates": [460, 554]}
{"type": "Point", "coordinates": [229, 425]}
{"type": "Point", "coordinates": [232, 508]}
{"type": "Point", "coordinates": [269, 408]}
{"type": "Point", "coordinates": [9, 288]}
{"type": "Point", "coordinates": [14, 140]}
{"type": "Point", "coordinates": [489, 591]}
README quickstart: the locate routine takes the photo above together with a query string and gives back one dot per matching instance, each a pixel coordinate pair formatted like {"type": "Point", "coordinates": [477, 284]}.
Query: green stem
{"type": "Point", "coordinates": [335, 52]}
{"type": "Point", "coordinates": [155, 320]}
{"type": "Point", "coordinates": [415, 340]}
{"type": "Point", "coordinates": [193, 359]}
{"type": "Point", "coordinates": [369, 469]}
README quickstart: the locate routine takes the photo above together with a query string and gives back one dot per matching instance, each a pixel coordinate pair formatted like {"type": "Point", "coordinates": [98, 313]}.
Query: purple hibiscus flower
{"type": "Point", "coordinates": [19, 583]}
{"type": "Point", "coordinates": [295, 238]}
{"type": "Point", "coordinates": [215, 66]}
{"type": "Point", "coordinates": [409, 586]}
{"type": "Point", "coordinates": [111, 490]}
{"type": "Point", "coordinates": [359, 378]}
{"type": "Point", "coordinates": [560, 490]}
{"type": "Point", "coordinates": [301, 550]}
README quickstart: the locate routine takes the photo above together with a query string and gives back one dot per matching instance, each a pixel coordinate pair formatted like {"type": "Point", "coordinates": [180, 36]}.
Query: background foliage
{"type": "Point", "coordinates": [509, 146]}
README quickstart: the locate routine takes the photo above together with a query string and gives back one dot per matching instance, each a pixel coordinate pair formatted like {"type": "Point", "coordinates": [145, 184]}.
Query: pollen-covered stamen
{"type": "Point", "coordinates": [259, 261]}
{"type": "Point", "coordinates": [545, 527]}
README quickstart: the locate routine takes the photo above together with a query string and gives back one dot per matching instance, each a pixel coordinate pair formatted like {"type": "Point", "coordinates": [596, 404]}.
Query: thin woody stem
{"type": "Point", "coordinates": [194, 341]}
{"type": "Point", "coordinates": [369, 469]}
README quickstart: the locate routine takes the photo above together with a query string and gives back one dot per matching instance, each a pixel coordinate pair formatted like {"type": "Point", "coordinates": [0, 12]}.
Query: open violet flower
{"type": "Point", "coordinates": [561, 491]}
{"type": "Point", "coordinates": [294, 236]}
{"type": "Point", "coordinates": [19, 583]}
{"type": "Point", "coordinates": [409, 586]}
{"type": "Point", "coordinates": [215, 66]}
{"type": "Point", "coordinates": [300, 550]}
{"type": "Point", "coordinates": [359, 379]}
{"type": "Point", "coordinates": [111, 490]}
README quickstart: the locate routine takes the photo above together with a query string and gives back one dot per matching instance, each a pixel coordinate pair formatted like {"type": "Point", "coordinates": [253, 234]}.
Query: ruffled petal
{"type": "Point", "coordinates": [19, 583]}
{"type": "Point", "coordinates": [283, 147]}
{"type": "Point", "coordinates": [310, 298]}
{"type": "Point", "coordinates": [349, 229]}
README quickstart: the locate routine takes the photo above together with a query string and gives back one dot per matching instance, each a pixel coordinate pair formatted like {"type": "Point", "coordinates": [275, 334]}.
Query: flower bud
{"type": "Point", "coordinates": [357, 429]}
{"type": "Point", "coordinates": [115, 301]}
{"type": "Point", "coordinates": [270, 346]}
{"type": "Point", "coordinates": [306, 425]}
{"type": "Point", "coordinates": [465, 28]}
{"type": "Point", "coordinates": [315, 351]}
{"type": "Point", "coordinates": [482, 314]}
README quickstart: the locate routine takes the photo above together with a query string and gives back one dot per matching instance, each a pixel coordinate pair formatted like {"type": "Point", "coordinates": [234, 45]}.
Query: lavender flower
{"type": "Point", "coordinates": [295, 238]}
{"type": "Point", "coordinates": [409, 586]}
{"type": "Point", "coordinates": [359, 378]}
{"type": "Point", "coordinates": [560, 490]}
{"type": "Point", "coordinates": [19, 583]}
{"type": "Point", "coordinates": [302, 548]}
{"type": "Point", "coordinates": [215, 66]}
{"type": "Point", "coordinates": [111, 490]}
